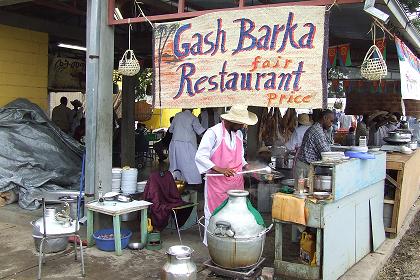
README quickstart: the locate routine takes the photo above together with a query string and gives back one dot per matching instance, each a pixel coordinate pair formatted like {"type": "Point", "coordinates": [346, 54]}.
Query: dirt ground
{"type": "Point", "coordinates": [405, 261]}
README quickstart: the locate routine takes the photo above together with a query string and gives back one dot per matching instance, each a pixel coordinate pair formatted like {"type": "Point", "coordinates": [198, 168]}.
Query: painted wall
{"type": "Point", "coordinates": [155, 121]}
{"type": "Point", "coordinates": [23, 66]}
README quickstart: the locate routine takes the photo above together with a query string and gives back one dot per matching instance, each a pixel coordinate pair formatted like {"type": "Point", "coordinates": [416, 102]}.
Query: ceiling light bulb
{"type": "Point", "coordinates": [73, 47]}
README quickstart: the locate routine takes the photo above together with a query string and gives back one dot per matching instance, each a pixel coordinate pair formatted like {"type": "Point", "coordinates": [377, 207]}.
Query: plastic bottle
{"type": "Point", "coordinates": [301, 184]}
{"type": "Point", "coordinates": [100, 194]}
{"type": "Point", "coordinates": [362, 141]}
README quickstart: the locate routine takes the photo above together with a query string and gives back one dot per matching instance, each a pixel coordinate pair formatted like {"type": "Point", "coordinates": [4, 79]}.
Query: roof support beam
{"type": "Point", "coordinates": [60, 6]}
{"type": "Point", "coordinates": [41, 25]}
{"type": "Point", "coordinates": [181, 6]}
{"type": "Point", "coordinates": [183, 15]}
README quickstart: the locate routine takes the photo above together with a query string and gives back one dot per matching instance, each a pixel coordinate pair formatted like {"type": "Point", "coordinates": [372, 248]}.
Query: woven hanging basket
{"type": "Point", "coordinates": [142, 111]}
{"type": "Point", "coordinates": [373, 68]}
{"type": "Point", "coordinates": [129, 65]}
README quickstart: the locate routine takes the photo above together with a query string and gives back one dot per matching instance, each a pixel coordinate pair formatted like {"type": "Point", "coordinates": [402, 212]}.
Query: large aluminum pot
{"type": "Point", "coordinates": [53, 245]}
{"type": "Point", "coordinates": [179, 265]}
{"type": "Point", "coordinates": [322, 183]}
{"type": "Point", "coordinates": [234, 238]}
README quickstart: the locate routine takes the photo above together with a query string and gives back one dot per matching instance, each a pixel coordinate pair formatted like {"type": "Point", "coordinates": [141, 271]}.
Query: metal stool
{"type": "Point", "coordinates": [45, 236]}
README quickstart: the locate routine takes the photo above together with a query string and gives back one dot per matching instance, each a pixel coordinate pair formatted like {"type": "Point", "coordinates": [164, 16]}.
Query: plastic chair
{"type": "Point", "coordinates": [45, 236]}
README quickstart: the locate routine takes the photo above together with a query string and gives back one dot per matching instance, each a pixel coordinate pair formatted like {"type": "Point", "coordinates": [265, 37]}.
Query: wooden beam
{"type": "Point", "coordinates": [12, 2]}
{"type": "Point", "coordinates": [60, 6]}
{"type": "Point", "coordinates": [184, 15]}
{"type": "Point", "coordinates": [181, 6]}
{"type": "Point", "coordinates": [127, 125]}
{"type": "Point", "coordinates": [41, 25]}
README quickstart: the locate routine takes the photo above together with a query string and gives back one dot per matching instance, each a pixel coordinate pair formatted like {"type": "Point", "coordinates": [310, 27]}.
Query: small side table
{"type": "Point", "coordinates": [115, 209]}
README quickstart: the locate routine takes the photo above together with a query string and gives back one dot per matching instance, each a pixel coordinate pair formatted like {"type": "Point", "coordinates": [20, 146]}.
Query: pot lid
{"type": "Point", "coordinates": [179, 251]}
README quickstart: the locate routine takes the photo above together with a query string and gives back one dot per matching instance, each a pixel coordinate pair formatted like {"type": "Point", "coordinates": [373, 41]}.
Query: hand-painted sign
{"type": "Point", "coordinates": [260, 57]}
{"type": "Point", "coordinates": [409, 71]}
{"type": "Point", "coordinates": [67, 74]}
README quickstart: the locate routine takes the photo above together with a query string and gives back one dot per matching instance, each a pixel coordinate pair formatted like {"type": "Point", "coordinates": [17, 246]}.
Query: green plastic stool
{"type": "Point", "coordinates": [153, 241]}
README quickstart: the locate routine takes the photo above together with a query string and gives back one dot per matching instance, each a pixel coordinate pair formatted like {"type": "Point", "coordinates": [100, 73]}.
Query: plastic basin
{"type": "Point", "coordinates": [108, 244]}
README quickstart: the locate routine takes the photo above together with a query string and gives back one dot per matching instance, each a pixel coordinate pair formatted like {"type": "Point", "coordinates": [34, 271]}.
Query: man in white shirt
{"type": "Point", "coordinates": [221, 151]}
{"type": "Point", "coordinates": [296, 139]}
{"type": "Point", "coordinates": [346, 121]}
{"type": "Point", "coordinates": [183, 147]}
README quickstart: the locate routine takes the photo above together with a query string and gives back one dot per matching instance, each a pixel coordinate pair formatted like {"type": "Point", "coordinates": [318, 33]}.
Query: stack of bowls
{"type": "Point", "coordinates": [129, 180]}
{"type": "Point", "coordinates": [116, 180]}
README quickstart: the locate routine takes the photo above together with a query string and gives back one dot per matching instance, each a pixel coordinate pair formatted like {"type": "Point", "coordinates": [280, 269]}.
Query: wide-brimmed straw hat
{"type": "Point", "coordinates": [304, 119]}
{"type": "Point", "coordinates": [240, 114]}
{"type": "Point", "coordinates": [376, 114]}
{"type": "Point", "coordinates": [76, 103]}
{"type": "Point", "coordinates": [392, 118]}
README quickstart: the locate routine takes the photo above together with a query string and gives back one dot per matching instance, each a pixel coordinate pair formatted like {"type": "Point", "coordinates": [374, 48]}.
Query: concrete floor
{"type": "Point", "coordinates": [18, 257]}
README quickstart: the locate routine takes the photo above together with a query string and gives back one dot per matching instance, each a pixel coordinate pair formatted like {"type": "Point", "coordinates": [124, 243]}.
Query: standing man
{"type": "Point", "coordinates": [183, 147]}
{"type": "Point", "coordinates": [296, 139]}
{"type": "Point", "coordinates": [314, 143]}
{"type": "Point", "coordinates": [62, 115]}
{"type": "Point", "coordinates": [77, 113]}
{"type": "Point", "coordinates": [221, 151]}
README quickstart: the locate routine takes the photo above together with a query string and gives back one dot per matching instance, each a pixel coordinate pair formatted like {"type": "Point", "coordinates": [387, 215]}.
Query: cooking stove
{"type": "Point", "coordinates": [251, 273]}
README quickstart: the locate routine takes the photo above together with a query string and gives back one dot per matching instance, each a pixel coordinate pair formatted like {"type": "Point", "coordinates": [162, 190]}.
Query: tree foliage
{"type": "Point", "coordinates": [412, 7]}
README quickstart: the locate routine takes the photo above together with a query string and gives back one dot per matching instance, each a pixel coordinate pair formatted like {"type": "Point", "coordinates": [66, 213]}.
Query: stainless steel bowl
{"type": "Point", "coordinates": [123, 198]}
{"type": "Point", "coordinates": [136, 246]}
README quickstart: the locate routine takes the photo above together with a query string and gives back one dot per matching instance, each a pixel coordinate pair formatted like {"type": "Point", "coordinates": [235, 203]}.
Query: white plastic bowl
{"type": "Point", "coordinates": [359, 149]}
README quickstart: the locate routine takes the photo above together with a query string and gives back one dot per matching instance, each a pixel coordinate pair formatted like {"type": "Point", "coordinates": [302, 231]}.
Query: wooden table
{"type": "Point", "coordinates": [403, 172]}
{"type": "Point", "coordinates": [115, 209]}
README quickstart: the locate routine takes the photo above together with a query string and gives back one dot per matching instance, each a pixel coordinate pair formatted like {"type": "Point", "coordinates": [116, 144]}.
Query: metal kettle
{"type": "Point", "coordinates": [179, 265]}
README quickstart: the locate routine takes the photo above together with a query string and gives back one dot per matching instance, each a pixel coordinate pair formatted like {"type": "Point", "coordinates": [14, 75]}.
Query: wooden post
{"type": "Point", "coordinates": [181, 6]}
{"type": "Point", "coordinates": [128, 145]}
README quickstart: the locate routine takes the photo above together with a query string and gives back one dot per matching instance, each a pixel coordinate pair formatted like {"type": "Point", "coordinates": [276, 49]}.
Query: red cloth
{"type": "Point", "coordinates": [163, 193]}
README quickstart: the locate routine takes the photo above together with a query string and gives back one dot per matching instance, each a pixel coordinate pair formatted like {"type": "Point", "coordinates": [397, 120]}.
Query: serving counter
{"type": "Point", "coordinates": [348, 226]}
{"type": "Point", "coordinates": [402, 188]}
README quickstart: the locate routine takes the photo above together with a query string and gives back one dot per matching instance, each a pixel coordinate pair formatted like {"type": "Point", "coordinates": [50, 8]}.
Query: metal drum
{"type": "Point", "coordinates": [179, 265]}
{"type": "Point", "coordinates": [235, 240]}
